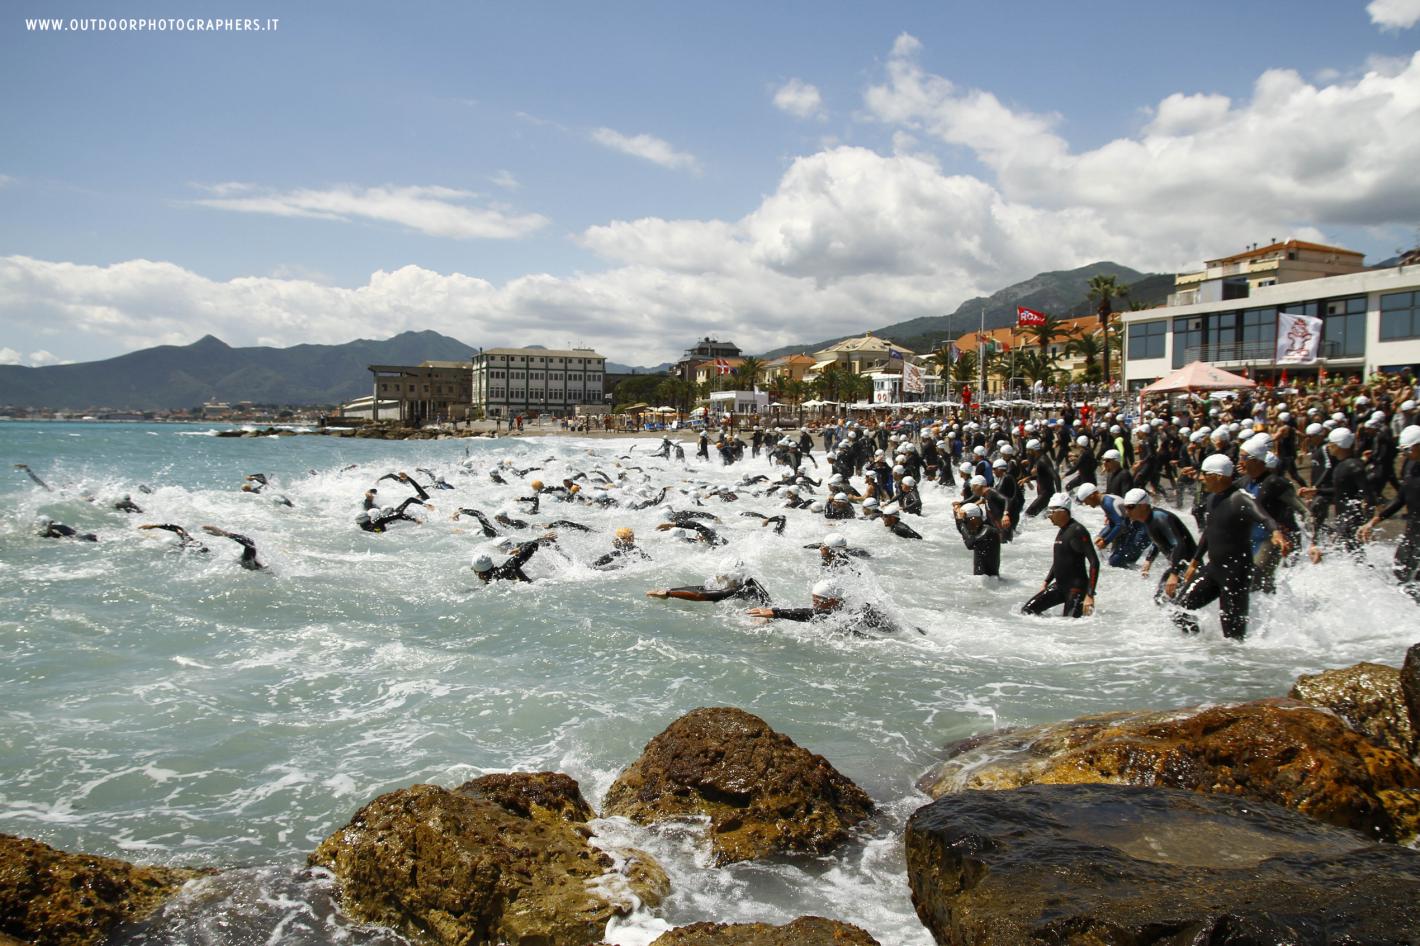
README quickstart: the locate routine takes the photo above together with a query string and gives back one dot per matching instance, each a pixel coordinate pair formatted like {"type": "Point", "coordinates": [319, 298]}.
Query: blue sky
{"type": "Point", "coordinates": [631, 175]}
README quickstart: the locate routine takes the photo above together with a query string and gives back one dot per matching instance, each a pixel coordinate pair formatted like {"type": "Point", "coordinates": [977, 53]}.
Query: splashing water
{"type": "Point", "coordinates": [169, 707]}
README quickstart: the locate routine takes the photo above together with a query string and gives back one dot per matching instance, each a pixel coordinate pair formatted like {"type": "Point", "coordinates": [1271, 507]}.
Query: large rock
{"type": "Point", "coordinates": [762, 794]}
{"type": "Point", "coordinates": [61, 899]}
{"type": "Point", "coordinates": [1279, 751]}
{"type": "Point", "coordinates": [805, 931]}
{"type": "Point", "coordinates": [1106, 865]}
{"type": "Point", "coordinates": [487, 864]}
{"type": "Point", "coordinates": [1368, 697]}
{"type": "Point", "coordinates": [1410, 690]}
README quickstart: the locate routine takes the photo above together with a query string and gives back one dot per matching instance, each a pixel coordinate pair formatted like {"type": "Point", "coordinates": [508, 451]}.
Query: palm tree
{"type": "Point", "coordinates": [964, 370]}
{"type": "Point", "coordinates": [1089, 347]}
{"type": "Point", "coordinates": [1035, 366]}
{"type": "Point", "coordinates": [856, 387]}
{"type": "Point", "coordinates": [1046, 334]}
{"type": "Point", "coordinates": [1106, 289]}
{"type": "Point", "coordinates": [795, 393]}
{"type": "Point", "coordinates": [747, 374]}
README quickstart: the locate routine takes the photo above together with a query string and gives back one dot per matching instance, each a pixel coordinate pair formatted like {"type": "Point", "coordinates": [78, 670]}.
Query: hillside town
{"type": "Point", "coordinates": [1364, 320]}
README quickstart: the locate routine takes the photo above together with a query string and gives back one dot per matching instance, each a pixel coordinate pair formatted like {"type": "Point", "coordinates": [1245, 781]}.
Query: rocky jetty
{"type": "Point", "coordinates": [1086, 865]}
{"type": "Point", "coordinates": [1368, 697]}
{"type": "Point", "coordinates": [62, 899]}
{"type": "Point", "coordinates": [805, 931]}
{"type": "Point", "coordinates": [1279, 751]}
{"type": "Point", "coordinates": [503, 859]}
{"type": "Point", "coordinates": [762, 794]}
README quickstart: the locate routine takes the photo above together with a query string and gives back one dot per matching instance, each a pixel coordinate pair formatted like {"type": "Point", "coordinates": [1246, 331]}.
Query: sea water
{"type": "Point", "coordinates": [171, 708]}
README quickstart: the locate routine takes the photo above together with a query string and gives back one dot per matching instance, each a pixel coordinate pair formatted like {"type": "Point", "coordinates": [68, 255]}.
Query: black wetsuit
{"type": "Point", "coordinates": [903, 531]}
{"type": "Point", "coordinates": [58, 530]}
{"type": "Point", "coordinates": [381, 523]}
{"type": "Point", "coordinates": [1348, 489]}
{"type": "Point", "coordinates": [863, 617]}
{"type": "Point", "coordinates": [126, 504]}
{"type": "Point", "coordinates": [1227, 577]}
{"type": "Point", "coordinates": [487, 526]}
{"type": "Point", "coordinates": [512, 569]}
{"type": "Point", "coordinates": [185, 541]}
{"type": "Point", "coordinates": [1169, 535]}
{"type": "Point", "coordinates": [619, 556]}
{"type": "Point", "coordinates": [1047, 483]}
{"type": "Point", "coordinates": [911, 501]}
{"type": "Point", "coordinates": [1073, 572]}
{"type": "Point", "coordinates": [748, 590]}
{"type": "Point", "coordinates": [1406, 567]}
{"type": "Point", "coordinates": [248, 559]}
{"type": "Point", "coordinates": [985, 545]}
{"type": "Point", "coordinates": [1084, 469]}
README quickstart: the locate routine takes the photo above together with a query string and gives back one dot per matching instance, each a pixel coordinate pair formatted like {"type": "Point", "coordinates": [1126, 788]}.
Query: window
{"type": "Point", "coordinates": [1345, 327]}
{"type": "Point", "coordinates": [1146, 339]}
{"type": "Point", "coordinates": [1259, 333]}
{"type": "Point", "coordinates": [1400, 315]}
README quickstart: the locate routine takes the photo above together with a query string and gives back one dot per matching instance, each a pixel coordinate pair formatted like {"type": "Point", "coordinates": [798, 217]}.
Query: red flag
{"type": "Point", "coordinates": [1028, 317]}
{"type": "Point", "coordinates": [722, 366]}
{"type": "Point", "coordinates": [1284, 377]}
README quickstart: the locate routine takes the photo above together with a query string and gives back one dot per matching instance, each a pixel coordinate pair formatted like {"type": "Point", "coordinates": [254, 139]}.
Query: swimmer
{"type": "Point", "coordinates": [49, 529]}
{"type": "Point", "coordinates": [31, 474]}
{"type": "Point", "coordinates": [735, 584]}
{"type": "Point", "coordinates": [503, 519]}
{"type": "Point", "coordinates": [487, 527]}
{"type": "Point", "coordinates": [408, 480]}
{"type": "Point", "coordinates": [834, 551]}
{"type": "Point", "coordinates": [248, 560]}
{"type": "Point", "coordinates": [1074, 569]}
{"type": "Point", "coordinates": [126, 504]}
{"type": "Point", "coordinates": [983, 538]}
{"type": "Point", "coordinates": [435, 481]}
{"type": "Point", "coordinates": [828, 601]}
{"type": "Point", "coordinates": [381, 522]}
{"type": "Point", "coordinates": [895, 525]}
{"type": "Point", "coordinates": [370, 500]}
{"type": "Point", "coordinates": [512, 569]}
{"type": "Point", "coordinates": [777, 521]}
{"type": "Point", "coordinates": [185, 541]}
{"type": "Point", "coordinates": [692, 531]}
{"type": "Point", "coordinates": [623, 548]}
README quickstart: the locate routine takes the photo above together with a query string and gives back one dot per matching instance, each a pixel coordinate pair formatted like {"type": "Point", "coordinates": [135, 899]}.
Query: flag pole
{"type": "Point", "coordinates": [981, 356]}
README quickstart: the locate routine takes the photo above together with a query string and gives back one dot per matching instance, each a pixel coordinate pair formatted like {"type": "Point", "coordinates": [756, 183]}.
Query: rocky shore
{"type": "Point", "coordinates": [1289, 820]}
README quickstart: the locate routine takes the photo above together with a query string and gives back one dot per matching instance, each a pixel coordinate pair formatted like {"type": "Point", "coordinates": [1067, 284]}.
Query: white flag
{"type": "Point", "coordinates": [912, 379]}
{"type": "Point", "coordinates": [1298, 339]}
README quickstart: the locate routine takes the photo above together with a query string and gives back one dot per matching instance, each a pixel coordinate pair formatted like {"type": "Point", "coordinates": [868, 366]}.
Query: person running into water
{"type": "Point", "coordinates": [981, 537]}
{"type": "Point", "coordinates": [1074, 568]}
{"type": "Point", "coordinates": [248, 560]}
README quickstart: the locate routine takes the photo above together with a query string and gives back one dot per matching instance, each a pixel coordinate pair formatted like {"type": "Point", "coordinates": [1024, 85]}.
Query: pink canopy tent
{"type": "Point", "coordinates": [1198, 377]}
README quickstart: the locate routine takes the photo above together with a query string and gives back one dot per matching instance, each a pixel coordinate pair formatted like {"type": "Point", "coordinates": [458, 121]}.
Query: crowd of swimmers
{"type": "Point", "coordinates": [1232, 465]}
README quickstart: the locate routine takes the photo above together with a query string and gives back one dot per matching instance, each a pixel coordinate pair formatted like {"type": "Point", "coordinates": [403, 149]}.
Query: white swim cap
{"type": "Point", "coordinates": [977, 480]}
{"type": "Point", "coordinates": [1110, 455]}
{"type": "Point", "coordinates": [827, 589]}
{"type": "Point", "coordinates": [996, 464]}
{"type": "Point", "coordinates": [1256, 448]}
{"type": "Point", "coordinates": [972, 511]}
{"type": "Point", "coordinates": [870, 503]}
{"type": "Point", "coordinates": [835, 540]}
{"type": "Point", "coordinates": [1410, 436]}
{"type": "Point", "coordinates": [1082, 441]}
{"type": "Point", "coordinates": [482, 563]}
{"type": "Point", "coordinates": [1314, 430]}
{"type": "Point", "coordinates": [1007, 450]}
{"type": "Point", "coordinates": [1084, 491]}
{"type": "Point", "coordinates": [1218, 463]}
{"type": "Point", "coordinates": [1059, 501]}
{"type": "Point", "coordinates": [840, 497]}
{"type": "Point", "coordinates": [1032, 444]}
{"type": "Point", "coordinates": [1342, 437]}
{"type": "Point", "coordinates": [1136, 497]}
{"type": "Point", "coordinates": [816, 507]}
{"type": "Point", "coordinates": [890, 509]}
{"type": "Point", "coordinates": [909, 481]}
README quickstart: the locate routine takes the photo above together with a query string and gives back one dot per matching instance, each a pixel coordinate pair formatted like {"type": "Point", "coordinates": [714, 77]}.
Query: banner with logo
{"type": "Point", "coordinates": [1298, 339]}
{"type": "Point", "coordinates": [912, 379]}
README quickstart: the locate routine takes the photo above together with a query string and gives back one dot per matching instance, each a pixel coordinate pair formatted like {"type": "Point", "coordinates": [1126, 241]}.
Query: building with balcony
{"type": "Point", "coordinates": [706, 350]}
{"type": "Point", "coordinates": [1239, 275]}
{"type": "Point", "coordinates": [864, 354]}
{"type": "Point", "coordinates": [511, 381]}
{"type": "Point", "coordinates": [430, 392]}
{"type": "Point", "coordinates": [787, 368]}
{"type": "Point", "coordinates": [1370, 322]}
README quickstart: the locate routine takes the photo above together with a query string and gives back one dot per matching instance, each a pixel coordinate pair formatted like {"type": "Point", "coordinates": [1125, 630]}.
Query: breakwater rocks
{"type": "Point", "coordinates": [1279, 751]}
{"type": "Point", "coordinates": [61, 899]}
{"type": "Point", "coordinates": [1088, 865]}
{"type": "Point", "coordinates": [763, 795]}
{"type": "Point", "coordinates": [503, 862]}
{"type": "Point", "coordinates": [805, 931]}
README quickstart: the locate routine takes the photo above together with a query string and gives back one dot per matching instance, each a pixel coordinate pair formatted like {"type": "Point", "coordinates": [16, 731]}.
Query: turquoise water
{"type": "Point", "coordinates": [168, 707]}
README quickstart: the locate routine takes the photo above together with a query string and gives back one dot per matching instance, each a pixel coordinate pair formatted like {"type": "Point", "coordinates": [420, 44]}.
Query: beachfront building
{"type": "Point", "coordinates": [715, 371]}
{"type": "Point", "coordinates": [1258, 267]}
{"type": "Point", "coordinates": [786, 368]}
{"type": "Point", "coordinates": [706, 351]}
{"type": "Point", "coordinates": [430, 392]}
{"type": "Point", "coordinates": [1370, 321]}
{"type": "Point", "coordinates": [511, 381]}
{"type": "Point", "coordinates": [864, 354]}
{"type": "Point", "coordinates": [1005, 341]}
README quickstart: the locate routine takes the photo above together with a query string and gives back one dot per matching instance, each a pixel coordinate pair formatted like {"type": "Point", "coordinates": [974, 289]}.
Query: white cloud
{"type": "Point", "coordinates": [39, 359]}
{"type": "Point", "coordinates": [647, 147]}
{"type": "Point", "coordinates": [1394, 14]}
{"type": "Point", "coordinates": [506, 180]}
{"type": "Point", "coordinates": [8, 356]}
{"type": "Point", "coordinates": [6, 180]}
{"type": "Point", "coordinates": [799, 99]}
{"type": "Point", "coordinates": [436, 211]}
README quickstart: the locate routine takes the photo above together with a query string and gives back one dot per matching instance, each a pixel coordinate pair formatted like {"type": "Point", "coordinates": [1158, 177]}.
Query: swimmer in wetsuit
{"type": "Point", "coordinates": [185, 541]}
{"type": "Point", "coordinates": [248, 560]}
{"type": "Point", "coordinates": [31, 474]}
{"type": "Point", "coordinates": [487, 527]}
{"type": "Point", "coordinates": [719, 588]}
{"type": "Point", "coordinates": [512, 569]}
{"type": "Point", "coordinates": [1074, 568]}
{"type": "Point", "coordinates": [828, 602]}
{"type": "Point", "coordinates": [49, 529]}
{"type": "Point", "coordinates": [382, 522]}
{"type": "Point", "coordinates": [623, 550]}
{"type": "Point", "coordinates": [408, 480]}
{"type": "Point", "coordinates": [983, 538]}
{"type": "Point", "coordinates": [126, 504]}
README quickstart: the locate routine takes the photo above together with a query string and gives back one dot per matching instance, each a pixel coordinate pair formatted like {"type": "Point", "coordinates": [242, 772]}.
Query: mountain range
{"type": "Point", "coordinates": [1063, 294]}
{"type": "Point", "coordinates": [171, 377]}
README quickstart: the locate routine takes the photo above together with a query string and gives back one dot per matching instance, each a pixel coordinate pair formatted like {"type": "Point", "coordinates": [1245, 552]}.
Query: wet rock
{"type": "Point", "coordinates": [545, 795]}
{"type": "Point", "coordinates": [1368, 697]}
{"type": "Point", "coordinates": [455, 869]}
{"type": "Point", "coordinates": [54, 897]}
{"type": "Point", "coordinates": [805, 931]}
{"type": "Point", "coordinates": [761, 793]}
{"type": "Point", "coordinates": [1410, 691]}
{"type": "Point", "coordinates": [1089, 865]}
{"type": "Point", "coordinates": [1278, 751]}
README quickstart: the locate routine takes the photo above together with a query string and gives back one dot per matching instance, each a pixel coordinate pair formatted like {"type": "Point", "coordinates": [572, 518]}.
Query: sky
{"type": "Point", "coordinates": [632, 176]}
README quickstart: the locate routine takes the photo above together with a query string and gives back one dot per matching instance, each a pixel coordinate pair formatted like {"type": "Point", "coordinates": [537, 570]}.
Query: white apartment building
{"type": "Point", "coordinates": [511, 381]}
